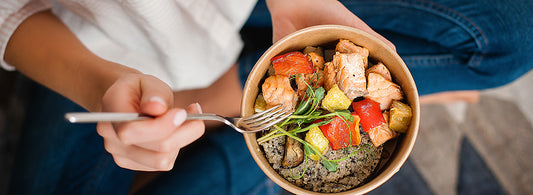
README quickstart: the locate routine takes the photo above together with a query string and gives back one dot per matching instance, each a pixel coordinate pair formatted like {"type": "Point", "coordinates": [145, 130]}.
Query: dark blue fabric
{"type": "Point", "coordinates": [55, 157]}
{"type": "Point", "coordinates": [475, 177]}
{"type": "Point", "coordinates": [447, 44]}
{"type": "Point", "coordinates": [218, 163]}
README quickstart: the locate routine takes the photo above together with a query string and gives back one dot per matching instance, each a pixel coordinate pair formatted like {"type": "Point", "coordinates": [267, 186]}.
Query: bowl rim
{"type": "Point", "coordinates": [388, 171]}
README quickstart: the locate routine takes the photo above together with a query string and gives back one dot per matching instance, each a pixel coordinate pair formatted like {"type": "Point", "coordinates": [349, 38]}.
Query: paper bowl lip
{"type": "Point", "coordinates": [406, 143]}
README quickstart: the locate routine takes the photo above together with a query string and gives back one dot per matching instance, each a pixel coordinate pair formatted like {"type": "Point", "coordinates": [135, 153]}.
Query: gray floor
{"type": "Point", "coordinates": [499, 126]}
{"type": "Point", "coordinates": [497, 130]}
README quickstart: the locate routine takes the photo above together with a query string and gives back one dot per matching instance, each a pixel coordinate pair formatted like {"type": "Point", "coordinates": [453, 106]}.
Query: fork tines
{"type": "Point", "coordinates": [265, 119]}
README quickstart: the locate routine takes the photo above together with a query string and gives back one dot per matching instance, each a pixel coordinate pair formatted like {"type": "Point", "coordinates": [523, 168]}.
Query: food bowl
{"type": "Point", "coordinates": [397, 151]}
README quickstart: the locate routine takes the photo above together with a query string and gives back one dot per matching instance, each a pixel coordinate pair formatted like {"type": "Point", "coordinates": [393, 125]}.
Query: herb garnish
{"type": "Point", "coordinates": [304, 117]}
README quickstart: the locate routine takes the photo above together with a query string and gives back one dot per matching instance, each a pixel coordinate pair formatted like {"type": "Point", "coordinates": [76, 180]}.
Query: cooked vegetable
{"type": "Point", "coordinates": [316, 138]}
{"type": "Point", "coordinates": [400, 116]}
{"type": "Point", "coordinates": [294, 153]}
{"type": "Point", "coordinates": [292, 63]}
{"type": "Point", "coordinates": [311, 49]}
{"type": "Point", "coordinates": [369, 112]}
{"type": "Point", "coordinates": [335, 100]}
{"type": "Point", "coordinates": [260, 104]}
{"type": "Point", "coordinates": [337, 132]}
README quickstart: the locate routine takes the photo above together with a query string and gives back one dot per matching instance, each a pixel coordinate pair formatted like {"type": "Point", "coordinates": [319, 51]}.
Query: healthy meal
{"type": "Point", "coordinates": [346, 106]}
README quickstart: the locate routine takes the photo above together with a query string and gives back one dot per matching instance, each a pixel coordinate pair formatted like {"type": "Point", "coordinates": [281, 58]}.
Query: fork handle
{"type": "Point", "coordinates": [93, 117]}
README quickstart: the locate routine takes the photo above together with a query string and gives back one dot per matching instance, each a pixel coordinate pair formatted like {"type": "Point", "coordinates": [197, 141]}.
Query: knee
{"type": "Point", "coordinates": [507, 58]}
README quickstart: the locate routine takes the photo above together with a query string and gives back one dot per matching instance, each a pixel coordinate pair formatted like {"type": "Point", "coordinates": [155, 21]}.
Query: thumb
{"type": "Point", "coordinates": [156, 96]}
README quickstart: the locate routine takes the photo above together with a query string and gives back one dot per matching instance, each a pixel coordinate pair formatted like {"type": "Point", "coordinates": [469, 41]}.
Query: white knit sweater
{"type": "Point", "coordinates": [186, 43]}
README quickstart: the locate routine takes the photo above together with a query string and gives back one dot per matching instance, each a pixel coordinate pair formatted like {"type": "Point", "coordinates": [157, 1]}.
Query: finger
{"type": "Point", "coordinates": [140, 158]}
{"type": "Point", "coordinates": [123, 95]}
{"type": "Point", "coordinates": [130, 164]}
{"type": "Point", "coordinates": [134, 157]}
{"type": "Point", "coordinates": [137, 158]}
{"type": "Point", "coordinates": [187, 133]}
{"type": "Point", "coordinates": [144, 131]}
{"type": "Point", "coordinates": [156, 98]}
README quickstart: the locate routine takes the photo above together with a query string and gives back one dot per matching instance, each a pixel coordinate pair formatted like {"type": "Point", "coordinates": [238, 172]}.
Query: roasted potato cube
{"type": "Point", "coordinates": [400, 116]}
{"type": "Point", "coordinates": [260, 104]}
{"type": "Point", "coordinates": [316, 138]}
{"type": "Point", "coordinates": [335, 99]}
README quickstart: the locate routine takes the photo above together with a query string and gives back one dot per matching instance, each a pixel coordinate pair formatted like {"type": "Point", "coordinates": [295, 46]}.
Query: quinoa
{"type": "Point", "coordinates": [350, 172]}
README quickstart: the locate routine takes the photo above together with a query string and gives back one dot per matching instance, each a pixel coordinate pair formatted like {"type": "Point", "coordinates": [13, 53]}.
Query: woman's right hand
{"type": "Point", "coordinates": [153, 144]}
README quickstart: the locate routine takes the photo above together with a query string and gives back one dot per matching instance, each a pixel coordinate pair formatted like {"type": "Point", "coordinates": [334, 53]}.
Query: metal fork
{"type": "Point", "coordinates": [257, 122]}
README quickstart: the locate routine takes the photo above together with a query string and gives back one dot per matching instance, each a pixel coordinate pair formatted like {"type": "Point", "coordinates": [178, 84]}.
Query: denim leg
{"type": "Point", "coordinates": [455, 45]}
{"type": "Point", "coordinates": [217, 163]}
{"type": "Point", "coordinates": [448, 44]}
{"type": "Point", "coordinates": [55, 157]}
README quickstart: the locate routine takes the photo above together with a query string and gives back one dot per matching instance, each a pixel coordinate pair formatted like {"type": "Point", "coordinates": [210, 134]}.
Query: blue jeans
{"type": "Point", "coordinates": [55, 157]}
{"type": "Point", "coordinates": [448, 45]}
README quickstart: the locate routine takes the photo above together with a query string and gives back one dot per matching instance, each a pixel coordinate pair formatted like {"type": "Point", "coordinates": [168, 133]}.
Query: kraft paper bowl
{"type": "Point", "coordinates": [395, 152]}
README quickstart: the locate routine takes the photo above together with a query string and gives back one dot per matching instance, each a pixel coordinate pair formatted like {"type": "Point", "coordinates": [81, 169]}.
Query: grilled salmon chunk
{"type": "Point", "coordinates": [346, 46]}
{"type": "Point", "coordinates": [329, 75]}
{"type": "Point", "coordinates": [382, 90]}
{"type": "Point", "coordinates": [381, 134]}
{"type": "Point", "coordinates": [305, 80]}
{"type": "Point", "coordinates": [277, 90]}
{"type": "Point", "coordinates": [350, 74]}
{"type": "Point", "coordinates": [381, 69]}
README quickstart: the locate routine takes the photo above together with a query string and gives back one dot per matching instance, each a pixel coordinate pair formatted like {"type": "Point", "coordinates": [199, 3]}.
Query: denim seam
{"type": "Point", "coordinates": [450, 14]}
{"type": "Point", "coordinates": [437, 59]}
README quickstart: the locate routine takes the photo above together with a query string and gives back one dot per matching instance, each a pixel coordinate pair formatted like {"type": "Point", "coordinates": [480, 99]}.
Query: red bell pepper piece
{"type": "Point", "coordinates": [292, 63]}
{"type": "Point", "coordinates": [337, 132]}
{"type": "Point", "coordinates": [369, 112]}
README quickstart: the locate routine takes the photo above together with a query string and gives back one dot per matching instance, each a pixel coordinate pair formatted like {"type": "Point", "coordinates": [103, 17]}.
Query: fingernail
{"type": "Point", "coordinates": [180, 117]}
{"type": "Point", "coordinates": [198, 107]}
{"type": "Point", "coordinates": [158, 99]}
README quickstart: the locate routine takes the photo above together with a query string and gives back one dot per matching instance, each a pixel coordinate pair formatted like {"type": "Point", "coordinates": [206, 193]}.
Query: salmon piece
{"type": "Point", "coordinates": [382, 90]}
{"type": "Point", "coordinates": [277, 90]}
{"type": "Point", "coordinates": [292, 63]}
{"type": "Point", "coordinates": [381, 69]}
{"type": "Point", "coordinates": [350, 74]}
{"type": "Point", "coordinates": [346, 46]}
{"type": "Point", "coordinates": [329, 76]}
{"type": "Point", "coordinates": [381, 134]}
{"type": "Point", "coordinates": [303, 80]}
{"type": "Point", "coordinates": [317, 60]}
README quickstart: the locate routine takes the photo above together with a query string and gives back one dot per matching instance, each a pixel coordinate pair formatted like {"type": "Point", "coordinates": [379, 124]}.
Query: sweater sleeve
{"type": "Point", "coordinates": [12, 13]}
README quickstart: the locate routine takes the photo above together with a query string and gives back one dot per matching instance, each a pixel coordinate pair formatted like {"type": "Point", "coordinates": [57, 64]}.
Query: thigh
{"type": "Point", "coordinates": [55, 157]}
{"type": "Point", "coordinates": [218, 163]}
{"type": "Point", "coordinates": [447, 44]}
{"type": "Point", "coordinates": [452, 44]}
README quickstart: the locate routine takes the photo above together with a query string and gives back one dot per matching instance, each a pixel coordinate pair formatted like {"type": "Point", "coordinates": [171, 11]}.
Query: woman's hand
{"type": "Point", "coordinates": [291, 15]}
{"type": "Point", "coordinates": [147, 145]}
